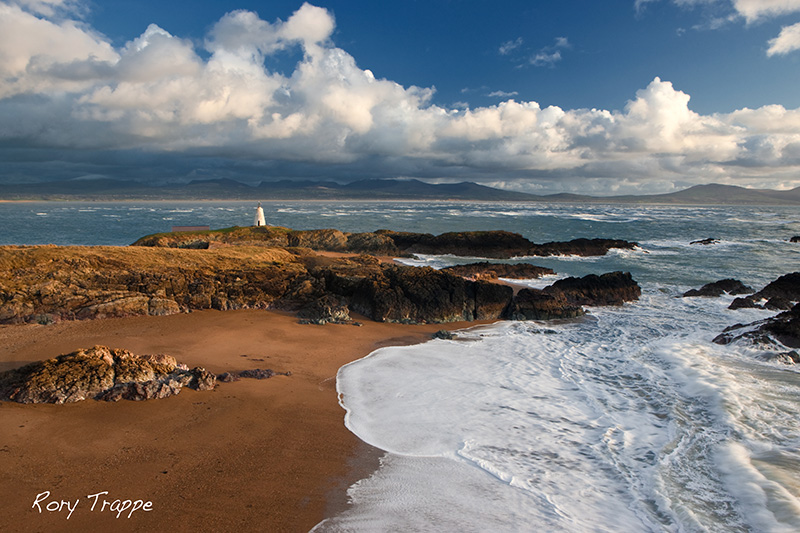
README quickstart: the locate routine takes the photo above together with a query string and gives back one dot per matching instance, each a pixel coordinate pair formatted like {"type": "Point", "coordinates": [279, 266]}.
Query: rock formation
{"type": "Point", "coordinates": [45, 284]}
{"type": "Point", "coordinates": [777, 333]}
{"type": "Point", "coordinates": [101, 373]}
{"type": "Point", "coordinates": [492, 271]}
{"type": "Point", "coordinates": [718, 288]}
{"type": "Point", "coordinates": [493, 244]}
{"type": "Point", "coordinates": [778, 295]}
{"type": "Point", "coordinates": [706, 242]}
{"type": "Point", "coordinates": [565, 298]}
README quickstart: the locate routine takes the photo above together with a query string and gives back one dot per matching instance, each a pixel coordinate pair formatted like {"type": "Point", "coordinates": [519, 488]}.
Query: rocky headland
{"type": "Point", "coordinates": [273, 267]}
{"type": "Point", "coordinates": [174, 274]}
{"type": "Point", "coordinates": [489, 244]}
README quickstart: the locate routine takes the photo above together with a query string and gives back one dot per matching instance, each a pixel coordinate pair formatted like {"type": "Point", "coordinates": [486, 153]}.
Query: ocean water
{"type": "Point", "coordinates": [629, 419]}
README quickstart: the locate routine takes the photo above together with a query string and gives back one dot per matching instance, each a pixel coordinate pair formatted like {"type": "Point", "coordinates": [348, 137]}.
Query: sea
{"type": "Point", "coordinates": [626, 420]}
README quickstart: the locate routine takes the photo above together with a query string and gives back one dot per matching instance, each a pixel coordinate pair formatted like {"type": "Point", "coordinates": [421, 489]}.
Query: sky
{"type": "Point", "coordinates": [543, 96]}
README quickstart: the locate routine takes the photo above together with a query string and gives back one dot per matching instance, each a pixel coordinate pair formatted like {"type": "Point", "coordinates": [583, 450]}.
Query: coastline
{"type": "Point", "coordinates": [250, 455]}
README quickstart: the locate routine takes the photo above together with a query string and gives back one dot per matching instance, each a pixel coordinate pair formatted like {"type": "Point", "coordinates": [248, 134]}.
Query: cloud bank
{"type": "Point", "coordinates": [72, 104]}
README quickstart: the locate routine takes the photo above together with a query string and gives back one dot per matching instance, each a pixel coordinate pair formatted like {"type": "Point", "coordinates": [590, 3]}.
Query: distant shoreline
{"type": "Point", "coordinates": [386, 190]}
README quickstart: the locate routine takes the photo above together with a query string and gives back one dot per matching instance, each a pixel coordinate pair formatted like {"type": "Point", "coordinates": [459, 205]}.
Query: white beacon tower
{"type": "Point", "coordinates": [259, 221]}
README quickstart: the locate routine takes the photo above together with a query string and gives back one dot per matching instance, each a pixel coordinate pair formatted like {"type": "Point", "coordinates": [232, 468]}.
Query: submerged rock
{"type": "Point", "coordinates": [101, 373]}
{"type": "Point", "coordinates": [718, 288]}
{"type": "Point", "coordinates": [706, 242]}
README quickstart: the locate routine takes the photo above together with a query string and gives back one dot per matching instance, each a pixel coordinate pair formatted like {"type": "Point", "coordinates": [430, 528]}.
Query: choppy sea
{"type": "Point", "coordinates": [627, 420]}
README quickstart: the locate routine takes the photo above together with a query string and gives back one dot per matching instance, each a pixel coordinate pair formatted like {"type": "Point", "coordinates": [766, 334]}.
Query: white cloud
{"type": "Point", "coordinates": [502, 94]}
{"type": "Point", "coordinates": [62, 86]}
{"type": "Point", "coordinates": [787, 41]}
{"type": "Point", "coordinates": [550, 55]}
{"type": "Point", "coordinates": [753, 10]}
{"type": "Point", "coordinates": [509, 46]}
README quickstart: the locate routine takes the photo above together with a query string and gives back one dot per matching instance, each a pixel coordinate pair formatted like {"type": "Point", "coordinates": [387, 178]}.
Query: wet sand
{"type": "Point", "coordinates": [269, 455]}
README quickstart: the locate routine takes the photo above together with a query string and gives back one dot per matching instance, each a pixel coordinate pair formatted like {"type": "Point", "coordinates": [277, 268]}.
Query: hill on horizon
{"type": "Point", "coordinates": [371, 189]}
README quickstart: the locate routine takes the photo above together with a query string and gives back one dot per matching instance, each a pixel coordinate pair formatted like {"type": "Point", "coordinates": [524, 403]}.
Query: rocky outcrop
{"type": "Point", "coordinates": [493, 271]}
{"type": "Point", "coordinates": [393, 293]}
{"type": "Point", "coordinates": [783, 328]}
{"type": "Point", "coordinates": [613, 288]}
{"type": "Point", "coordinates": [778, 295]}
{"type": "Point", "coordinates": [535, 304]}
{"type": "Point", "coordinates": [566, 298]}
{"type": "Point", "coordinates": [706, 242]}
{"type": "Point", "coordinates": [101, 373]}
{"type": "Point", "coordinates": [325, 310]}
{"type": "Point", "coordinates": [718, 288]}
{"type": "Point", "coordinates": [498, 244]}
{"type": "Point", "coordinates": [778, 334]}
{"type": "Point", "coordinates": [796, 238]}
{"type": "Point", "coordinates": [492, 244]}
{"type": "Point", "coordinates": [46, 284]}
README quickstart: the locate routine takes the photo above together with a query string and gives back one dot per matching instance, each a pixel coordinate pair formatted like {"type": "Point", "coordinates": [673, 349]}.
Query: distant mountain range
{"type": "Point", "coordinates": [375, 189]}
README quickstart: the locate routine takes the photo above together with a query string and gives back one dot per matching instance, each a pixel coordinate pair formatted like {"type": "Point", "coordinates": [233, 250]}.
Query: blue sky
{"type": "Point", "coordinates": [621, 96]}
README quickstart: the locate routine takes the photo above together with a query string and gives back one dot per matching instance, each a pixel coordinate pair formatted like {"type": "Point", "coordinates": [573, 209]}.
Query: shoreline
{"type": "Point", "coordinates": [249, 455]}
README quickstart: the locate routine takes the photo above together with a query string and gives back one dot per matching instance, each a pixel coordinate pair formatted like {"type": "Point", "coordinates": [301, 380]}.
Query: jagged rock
{"type": "Point", "coordinates": [227, 377]}
{"type": "Point", "coordinates": [778, 303]}
{"type": "Point", "coordinates": [393, 293]}
{"type": "Point", "coordinates": [325, 239]}
{"type": "Point", "coordinates": [613, 288]}
{"type": "Point", "coordinates": [491, 271]}
{"type": "Point", "coordinates": [535, 304]}
{"type": "Point", "coordinates": [497, 244]}
{"type": "Point", "coordinates": [718, 288]}
{"type": "Point", "coordinates": [444, 334]}
{"type": "Point", "coordinates": [779, 294]}
{"type": "Point", "coordinates": [101, 373]}
{"type": "Point", "coordinates": [325, 310]}
{"type": "Point", "coordinates": [581, 247]}
{"type": "Point", "coordinates": [706, 242]}
{"type": "Point", "coordinates": [783, 328]}
{"type": "Point", "coordinates": [744, 303]}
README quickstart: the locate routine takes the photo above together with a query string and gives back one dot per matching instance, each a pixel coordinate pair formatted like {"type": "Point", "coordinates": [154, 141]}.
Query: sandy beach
{"type": "Point", "coordinates": [269, 455]}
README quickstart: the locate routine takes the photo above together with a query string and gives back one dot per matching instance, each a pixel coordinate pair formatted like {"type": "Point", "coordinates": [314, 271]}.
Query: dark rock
{"type": "Point", "coordinates": [101, 373]}
{"type": "Point", "coordinates": [444, 334]}
{"type": "Point", "coordinates": [613, 288]}
{"type": "Point", "coordinates": [259, 373]}
{"type": "Point", "coordinates": [393, 293]}
{"type": "Point", "coordinates": [497, 244]}
{"type": "Point", "coordinates": [786, 286]}
{"type": "Point", "coordinates": [778, 303]}
{"type": "Point", "coordinates": [796, 238]}
{"type": "Point", "coordinates": [535, 304]}
{"type": "Point", "coordinates": [718, 288]}
{"type": "Point", "coordinates": [744, 303]}
{"type": "Point", "coordinates": [492, 271]}
{"type": "Point", "coordinates": [227, 377]}
{"type": "Point", "coordinates": [706, 242]}
{"type": "Point", "coordinates": [783, 328]}
{"type": "Point", "coordinates": [779, 294]}
{"type": "Point", "coordinates": [581, 247]}
{"type": "Point", "coordinates": [325, 310]}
